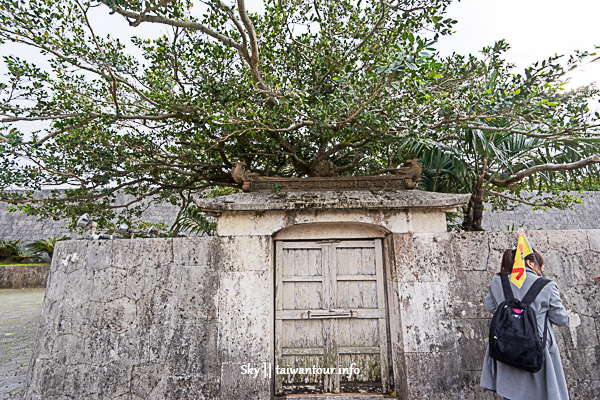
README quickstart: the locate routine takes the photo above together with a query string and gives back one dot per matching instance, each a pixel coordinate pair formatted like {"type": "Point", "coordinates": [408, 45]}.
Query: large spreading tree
{"type": "Point", "coordinates": [302, 88]}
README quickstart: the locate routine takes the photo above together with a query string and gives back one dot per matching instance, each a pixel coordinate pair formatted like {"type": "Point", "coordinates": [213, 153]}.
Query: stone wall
{"type": "Point", "coordinates": [23, 276]}
{"type": "Point", "coordinates": [137, 319]}
{"type": "Point", "coordinates": [442, 280]}
{"type": "Point", "coordinates": [584, 216]}
{"type": "Point", "coordinates": [15, 226]}
{"type": "Point", "coordinates": [177, 318]}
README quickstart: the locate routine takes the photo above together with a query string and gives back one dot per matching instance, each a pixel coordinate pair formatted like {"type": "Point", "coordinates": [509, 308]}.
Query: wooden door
{"type": "Point", "coordinates": [330, 314]}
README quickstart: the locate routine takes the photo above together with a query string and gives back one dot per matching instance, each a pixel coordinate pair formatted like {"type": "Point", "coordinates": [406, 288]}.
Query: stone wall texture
{"type": "Point", "coordinates": [15, 226]}
{"type": "Point", "coordinates": [23, 276]}
{"type": "Point", "coordinates": [583, 216]}
{"type": "Point", "coordinates": [442, 280]}
{"type": "Point", "coordinates": [177, 318]}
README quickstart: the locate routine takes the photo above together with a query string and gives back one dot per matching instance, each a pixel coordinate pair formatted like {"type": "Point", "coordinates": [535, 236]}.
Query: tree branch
{"type": "Point", "coordinates": [517, 200]}
{"type": "Point", "coordinates": [173, 22]}
{"type": "Point", "coordinates": [543, 168]}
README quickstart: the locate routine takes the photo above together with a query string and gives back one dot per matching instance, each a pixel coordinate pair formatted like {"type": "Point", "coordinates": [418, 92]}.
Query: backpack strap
{"type": "Point", "coordinates": [530, 296]}
{"type": "Point", "coordinates": [534, 290]}
{"type": "Point", "coordinates": [508, 294]}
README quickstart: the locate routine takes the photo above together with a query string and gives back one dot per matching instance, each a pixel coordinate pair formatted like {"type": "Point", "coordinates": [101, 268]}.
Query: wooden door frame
{"type": "Point", "coordinates": [373, 232]}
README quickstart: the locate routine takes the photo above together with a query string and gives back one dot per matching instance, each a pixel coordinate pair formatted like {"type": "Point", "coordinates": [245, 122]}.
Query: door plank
{"type": "Point", "coordinates": [340, 283]}
{"type": "Point", "coordinates": [383, 342]}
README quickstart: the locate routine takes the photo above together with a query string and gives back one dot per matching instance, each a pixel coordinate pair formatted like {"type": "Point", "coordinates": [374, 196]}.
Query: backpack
{"type": "Point", "coordinates": [514, 339]}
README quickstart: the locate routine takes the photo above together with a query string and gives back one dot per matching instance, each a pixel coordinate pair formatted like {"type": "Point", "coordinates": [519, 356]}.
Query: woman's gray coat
{"type": "Point", "coordinates": [515, 384]}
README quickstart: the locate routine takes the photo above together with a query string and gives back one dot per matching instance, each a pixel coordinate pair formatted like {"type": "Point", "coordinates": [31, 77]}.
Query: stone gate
{"type": "Point", "coordinates": [368, 282]}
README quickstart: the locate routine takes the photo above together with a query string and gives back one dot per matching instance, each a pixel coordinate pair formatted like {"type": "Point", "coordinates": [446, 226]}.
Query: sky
{"type": "Point", "coordinates": [535, 30]}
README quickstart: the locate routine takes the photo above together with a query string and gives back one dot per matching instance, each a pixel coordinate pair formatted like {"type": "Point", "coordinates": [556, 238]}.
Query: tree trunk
{"type": "Point", "coordinates": [474, 211]}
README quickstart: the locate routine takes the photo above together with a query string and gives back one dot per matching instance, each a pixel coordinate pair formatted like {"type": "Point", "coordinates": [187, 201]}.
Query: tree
{"type": "Point", "coordinates": [307, 88]}
{"type": "Point", "coordinates": [531, 131]}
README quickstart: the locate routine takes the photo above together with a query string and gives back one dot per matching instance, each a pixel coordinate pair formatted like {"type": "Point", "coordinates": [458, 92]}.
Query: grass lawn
{"type": "Point", "coordinates": [21, 264]}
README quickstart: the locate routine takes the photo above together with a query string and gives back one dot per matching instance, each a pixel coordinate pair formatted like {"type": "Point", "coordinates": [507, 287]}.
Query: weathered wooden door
{"type": "Point", "coordinates": [330, 314]}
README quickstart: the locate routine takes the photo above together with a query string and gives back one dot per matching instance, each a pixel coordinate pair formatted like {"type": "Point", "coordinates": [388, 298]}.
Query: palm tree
{"type": "Point", "coordinates": [499, 164]}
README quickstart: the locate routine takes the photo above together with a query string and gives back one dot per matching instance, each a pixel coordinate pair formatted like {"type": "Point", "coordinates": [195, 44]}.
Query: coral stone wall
{"type": "Point", "coordinates": [23, 276]}
{"type": "Point", "coordinates": [583, 216]}
{"type": "Point", "coordinates": [178, 318]}
{"type": "Point", "coordinates": [442, 280]}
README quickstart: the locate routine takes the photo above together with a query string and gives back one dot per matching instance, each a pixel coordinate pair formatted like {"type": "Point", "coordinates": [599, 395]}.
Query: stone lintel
{"type": "Point", "coordinates": [333, 200]}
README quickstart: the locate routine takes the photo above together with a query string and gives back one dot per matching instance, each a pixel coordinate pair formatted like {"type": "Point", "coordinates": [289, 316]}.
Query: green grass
{"type": "Point", "coordinates": [21, 264]}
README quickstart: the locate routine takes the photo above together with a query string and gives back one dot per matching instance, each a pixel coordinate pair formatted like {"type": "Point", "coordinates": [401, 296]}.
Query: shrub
{"type": "Point", "coordinates": [9, 248]}
{"type": "Point", "coordinates": [26, 253]}
{"type": "Point", "coordinates": [195, 221]}
{"type": "Point", "coordinates": [44, 245]}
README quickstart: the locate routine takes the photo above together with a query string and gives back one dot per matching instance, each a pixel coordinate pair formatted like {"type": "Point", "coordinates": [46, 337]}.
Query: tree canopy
{"type": "Point", "coordinates": [304, 88]}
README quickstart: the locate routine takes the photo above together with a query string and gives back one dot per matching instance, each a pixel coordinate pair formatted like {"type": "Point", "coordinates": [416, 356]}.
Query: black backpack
{"type": "Point", "coordinates": [514, 337]}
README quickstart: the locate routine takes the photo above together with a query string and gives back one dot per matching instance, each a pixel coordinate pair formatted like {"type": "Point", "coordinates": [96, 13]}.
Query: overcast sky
{"type": "Point", "coordinates": [535, 30]}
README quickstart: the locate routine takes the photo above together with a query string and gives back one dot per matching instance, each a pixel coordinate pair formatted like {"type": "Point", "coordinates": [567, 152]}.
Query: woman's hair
{"type": "Point", "coordinates": [508, 259]}
{"type": "Point", "coordinates": [536, 256]}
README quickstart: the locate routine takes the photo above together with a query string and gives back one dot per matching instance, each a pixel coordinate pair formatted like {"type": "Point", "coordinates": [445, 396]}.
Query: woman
{"type": "Point", "coordinates": [516, 384]}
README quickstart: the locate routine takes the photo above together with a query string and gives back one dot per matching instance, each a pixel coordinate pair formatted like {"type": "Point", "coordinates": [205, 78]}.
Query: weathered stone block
{"type": "Point", "coordinates": [472, 342]}
{"type": "Point", "coordinates": [593, 237]}
{"type": "Point", "coordinates": [107, 284]}
{"type": "Point", "coordinates": [128, 253]}
{"type": "Point", "coordinates": [83, 283]}
{"type": "Point", "coordinates": [145, 377]}
{"type": "Point", "coordinates": [471, 250]}
{"type": "Point", "coordinates": [97, 382]}
{"type": "Point", "coordinates": [98, 254]}
{"type": "Point", "coordinates": [468, 292]}
{"type": "Point", "coordinates": [437, 375]}
{"type": "Point", "coordinates": [197, 294]}
{"type": "Point", "coordinates": [192, 251]}
{"type": "Point", "coordinates": [67, 349]}
{"type": "Point", "coordinates": [559, 267]}
{"type": "Point", "coordinates": [583, 299]}
{"type": "Point", "coordinates": [48, 378]}
{"type": "Point", "coordinates": [151, 346]}
{"type": "Point", "coordinates": [245, 316]}
{"type": "Point", "coordinates": [245, 253]}
{"type": "Point", "coordinates": [58, 320]}
{"type": "Point", "coordinates": [431, 258]}
{"type": "Point", "coordinates": [142, 279]}
{"type": "Point", "coordinates": [118, 315]}
{"type": "Point", "coordinates": [102, 346]}
{"type": "Point", "coordinates": [539, 241]}
{"type": "Point", "coordinates": [192, 350]}
{"type": "Point", "coordinates": [427, 321]}
{"type": "Point", "coordinates": [569, 241]}
{"type": "Point", "coordinates": [55, 286]}
{"type": "Point", "coordinates": [155, 308]}
{"type": "Point", "coordinates": [84, 318]}
{"type": "Point", "coordinates": [70, 255]}
{"type": "Point", "coordinates": [404, 255]}
{"type": "Point", "coordinates": [498, 241]}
